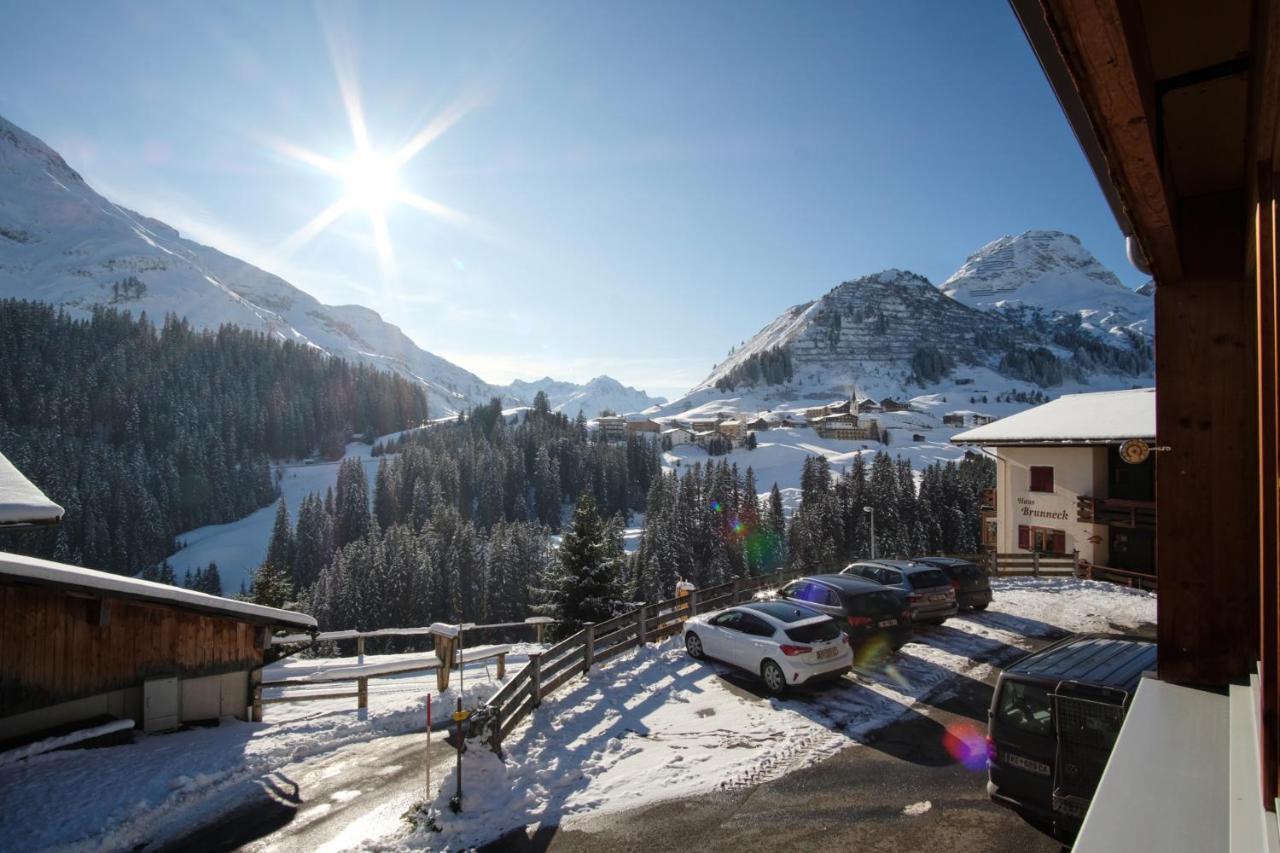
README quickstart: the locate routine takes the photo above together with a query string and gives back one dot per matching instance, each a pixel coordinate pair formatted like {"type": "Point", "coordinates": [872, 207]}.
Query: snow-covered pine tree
{"type": "Point", "coordinates": [586, 586]}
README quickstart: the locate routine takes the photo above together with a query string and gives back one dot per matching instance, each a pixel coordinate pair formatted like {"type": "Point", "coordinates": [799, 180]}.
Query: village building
{"type": "Point", "coordinates": [80, 646]}
{"type": "Point", "coordinates": [643, 426]}
{"type": "Point", "coordinates": [844, 427]}
{"type": "Point", "coordinates": [677, 436]}
{"type": "Point", "coordinates": [965, 418]}
{"type": "Point", "coordinates": [759, 424]}
{"type": "Point", "coordinates": [866, 405]}
{"type": "Point", "coordinates": [889, 404]}
{"type": "Point", "coordinates": [613, 427]}
{"type": "Point", "coordinates": [701, 424]}
{"type": "Point", "coordinates": [732, 429]}
{"type": "Point", "coordinates": [1062, 486]}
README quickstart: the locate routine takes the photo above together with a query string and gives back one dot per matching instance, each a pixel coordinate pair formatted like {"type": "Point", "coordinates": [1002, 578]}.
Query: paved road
{"type": "Point", "coordinates": [854, 800]}
{"type": "Point", "coordinates": [325, 804]}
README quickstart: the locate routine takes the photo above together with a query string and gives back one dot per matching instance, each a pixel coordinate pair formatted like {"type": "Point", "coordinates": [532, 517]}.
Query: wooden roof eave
{"type": "Point", "coordinates": [1100, 81]}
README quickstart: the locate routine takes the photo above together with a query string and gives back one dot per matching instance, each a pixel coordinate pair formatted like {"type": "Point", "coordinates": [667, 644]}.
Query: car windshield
{"type": "Point", "coordinates": [1025, 707]}
{"type": "Point", "coordinates": [932, 577]}
{"type": "Point", "coordinates": [814, 632]}
{"type": "Point", "coordinates": [966, 571]}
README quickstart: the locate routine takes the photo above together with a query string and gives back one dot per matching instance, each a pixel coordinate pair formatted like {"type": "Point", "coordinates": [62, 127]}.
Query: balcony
{"type": "Point", "coordinates": [1138, 515]}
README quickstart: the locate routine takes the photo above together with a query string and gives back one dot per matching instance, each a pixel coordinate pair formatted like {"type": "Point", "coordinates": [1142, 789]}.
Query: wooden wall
{"type": "Point", "coordinates": [52, 648]}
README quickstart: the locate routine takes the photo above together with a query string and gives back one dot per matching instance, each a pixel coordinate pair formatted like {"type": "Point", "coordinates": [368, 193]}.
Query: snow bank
{"type": "Point", "coordinates": [52, 743]}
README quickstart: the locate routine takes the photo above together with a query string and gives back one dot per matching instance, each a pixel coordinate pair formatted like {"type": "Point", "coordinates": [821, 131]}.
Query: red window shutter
{"type": "Point", "coordinates": [1042, 478]}
{"type": "Point", "coordinates": [1024, 537]}
{"type": "Point", "coordinates": [1059, 542]}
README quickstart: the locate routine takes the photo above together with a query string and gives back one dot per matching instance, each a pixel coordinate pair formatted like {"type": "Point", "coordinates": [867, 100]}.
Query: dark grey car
{"type": "Point", "coordinates": [927, 588]}
{"type": "Point", "coordinates": [969, 580]}
{"type": "Point", "coordinates": [865, 610]}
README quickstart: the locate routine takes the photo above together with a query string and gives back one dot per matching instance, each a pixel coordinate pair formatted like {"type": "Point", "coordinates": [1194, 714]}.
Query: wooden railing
{"type": "Point", "coordinates": [1129, 577]}
{"type": "Point", "coordinates": [1139, 515]}
{"type": "Point", "coordinates": [1033, 564]}
{"type": "Point", "coordinates": [597, 642]}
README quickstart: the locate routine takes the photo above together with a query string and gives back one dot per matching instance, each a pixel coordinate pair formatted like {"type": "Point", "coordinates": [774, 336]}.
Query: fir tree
{"type": "Point", "coordinates": [586, 586]}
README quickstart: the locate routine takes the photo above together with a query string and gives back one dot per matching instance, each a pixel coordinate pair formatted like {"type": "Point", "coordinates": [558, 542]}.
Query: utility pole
{"type": "Point", "coordinates": [872, 510]}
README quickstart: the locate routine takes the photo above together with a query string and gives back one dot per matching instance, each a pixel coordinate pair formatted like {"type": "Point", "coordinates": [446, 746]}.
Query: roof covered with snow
{"type": "Point", "coordinates": [21, 503]}
{"type": "Point", "coordinates": [22, 569]}
{"type": "Point", "coordinates": [1103, 417]}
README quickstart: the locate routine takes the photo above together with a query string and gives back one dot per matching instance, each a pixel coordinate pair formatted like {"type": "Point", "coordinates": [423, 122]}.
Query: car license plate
{"type": "Point", "coordinates": [937, 598]}
{"type": "Point", "coordinates": [888, 623]}
{"type": "Point", "coordinates": [824, 654]}
{"type": "Point", "coordinates": [1025, 764]}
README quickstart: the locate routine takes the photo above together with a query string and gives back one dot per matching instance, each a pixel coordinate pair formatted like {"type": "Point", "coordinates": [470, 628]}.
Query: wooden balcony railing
{"type": "Point", "coordinates": [1139, 515]}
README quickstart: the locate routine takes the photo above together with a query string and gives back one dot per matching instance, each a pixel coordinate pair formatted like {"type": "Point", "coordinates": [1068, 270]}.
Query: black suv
{"type": "Point", "coordinates": [928, 589]}
{"type": "Point", "coordinates": [1053, 721]}
{"type": "Point", "coordinates": [970, 581]}
{"type": "Point", "coordinates": [864, 609]}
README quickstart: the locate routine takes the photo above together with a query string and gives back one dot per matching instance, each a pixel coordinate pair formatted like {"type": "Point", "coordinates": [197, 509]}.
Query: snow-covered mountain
{"type": "Point", "coordinates": [601, 393]}
{"type": "Point", "coordinates": [63, 243]}
{"type": "Point", "coordinates": [1024, 313]}
{"type": "Point", "coordinates": [1053, 272]}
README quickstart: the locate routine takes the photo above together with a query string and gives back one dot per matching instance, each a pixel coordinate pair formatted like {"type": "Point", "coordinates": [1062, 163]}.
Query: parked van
{"type": "Point", "coordinates": [1054, 718]}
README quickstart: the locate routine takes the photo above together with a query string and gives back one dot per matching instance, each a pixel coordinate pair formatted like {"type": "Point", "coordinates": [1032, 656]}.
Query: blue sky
{"type": "Point", "coordinates": [638, 186]}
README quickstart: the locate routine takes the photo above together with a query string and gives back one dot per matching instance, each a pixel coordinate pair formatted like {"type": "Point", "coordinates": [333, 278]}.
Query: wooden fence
{"type": "Point", "coordinates": [597, 642]}
{"type": "Point", "coordinates": [1128, 577]}
{"type": "Point", "coordinates": [1033, 565]}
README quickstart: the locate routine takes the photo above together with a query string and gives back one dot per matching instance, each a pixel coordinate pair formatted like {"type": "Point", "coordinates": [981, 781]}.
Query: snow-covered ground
{"type": "Point", "coordinates": [648, 725]}
{"type": "Point", "coordinates": [654, 724]}
{"type": "Point", "coordinates": [239, 547]}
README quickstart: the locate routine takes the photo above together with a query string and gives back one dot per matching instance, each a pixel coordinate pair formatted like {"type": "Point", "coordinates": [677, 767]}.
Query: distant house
{"type": "Point", "coordinates": [703, 437]}
{"type": "Point", "coordinates": [918, 437]}
{"type": "Point", "coordinates": [868, 406]}
{"type": "Point", "coordinates": [644, 425]}
{"type": "Point", "coordinates": [839, 407]}
{"type": "Point", "coordinates": [701, 424]}
{"type": "Point", "coordinates": [889, 404]}
{"type": "Point", "coordinates": [732, 429]}
{"type": "Point", "coordinates": [678, 436]}
{"type": "Point", "coordinates": [613, 427]}
{"type": "Point", "coordinates": [814, 412]}
{"type": "Point", "coordinates": [964, 417]}
{"type": "Point", "coordinates": [759, 424]}
{"type": "Point", "coordinates": [845, 427]}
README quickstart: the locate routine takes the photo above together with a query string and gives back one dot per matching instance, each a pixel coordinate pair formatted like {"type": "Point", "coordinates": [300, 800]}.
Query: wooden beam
{"type": "Point", "coordinates": [1265, 259]}
{"type": "Point", "coordinates": [1098, 42]}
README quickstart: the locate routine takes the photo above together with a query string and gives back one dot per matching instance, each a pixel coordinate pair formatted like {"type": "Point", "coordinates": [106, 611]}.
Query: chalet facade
{"type": "Point", "coordinates": [1061, 486]}
{"type": "Point", "coordinates": [758, 424]}
{"type": "Point", "coordinates": [732, 429]}
{"type": "Point", "coordinates": [867, 406]}
{"type": "Point", "coordinates": [888, 404]}
{"type": "Point", "coordinates": [677, 436]}
{"type": "Point", "coordinates": [845, 427]}
{"type": "Point", "coordinates": [966, 418]}
{"type": "Point", "coordinates": [643, 426]}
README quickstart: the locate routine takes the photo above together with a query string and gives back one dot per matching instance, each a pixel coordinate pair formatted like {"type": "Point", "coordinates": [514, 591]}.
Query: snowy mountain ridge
{"type": "Point", "coordinates": [1035, 311]}
{"type": "Point", "coordinates": [63, 243]}
{"type": "Point", "coordinates": [1051, 271]}
{"type": "Point", "coordinates": [599, 394]}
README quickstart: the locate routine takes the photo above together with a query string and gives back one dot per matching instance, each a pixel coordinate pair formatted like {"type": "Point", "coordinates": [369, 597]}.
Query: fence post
{"type": "Point", "coordinates": [642, 636]}
{"type": "Point", "coordinates": [589, 644]}
{"type": "Point", "coordinates": [535, 677]}
{"type": "Point", "coordinates": [737, 591]}
{"type": "Point", "coordinates": [1035, 564]}
{"type": "Point", "coordinates": [995, 562]}
{"type": "Point", "coordinates": [495, 735]}
{"type": "Point", "coordinates": [502, 666]}
{"type": "Point", "coordinates": [360, 650]}
{"type": "Point", "coordinates": [362, 697]}
{"type": "Point", "coordinates": [538, 632]}
{"type": "Point", "coordinates": [693, 602]}
{"type": "Point", "coordinates": [1075, 563]}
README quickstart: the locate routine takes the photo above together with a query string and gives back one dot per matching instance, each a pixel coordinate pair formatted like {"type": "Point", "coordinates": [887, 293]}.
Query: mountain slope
{"type": "Point", "coordinates": [601, 393]}
{"type": "Point", "coordinates": [63, 243]}
{"type": "Point", "coordinates": [1053, 272]}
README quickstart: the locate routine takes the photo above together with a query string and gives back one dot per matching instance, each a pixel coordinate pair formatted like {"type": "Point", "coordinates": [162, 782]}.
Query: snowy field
{"type": "Point", "coordinates": [649, 725]}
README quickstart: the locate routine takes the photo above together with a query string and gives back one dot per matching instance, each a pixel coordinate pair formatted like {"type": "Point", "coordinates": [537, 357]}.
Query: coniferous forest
{"type": "Point", "coordinates": [141, 431]}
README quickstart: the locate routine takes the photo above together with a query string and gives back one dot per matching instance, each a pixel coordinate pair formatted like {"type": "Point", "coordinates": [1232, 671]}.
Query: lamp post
{"type": "Point", "coordinates": [872, 510]}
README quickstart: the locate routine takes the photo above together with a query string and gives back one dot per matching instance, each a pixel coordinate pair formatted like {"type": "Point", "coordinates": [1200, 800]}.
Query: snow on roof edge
{"type": "Point", "coordinates": [21, 501]}
{"type": "Point", "coordinates": [36, 570]}
{"type": "Point", "coordinates": [1098, 417]}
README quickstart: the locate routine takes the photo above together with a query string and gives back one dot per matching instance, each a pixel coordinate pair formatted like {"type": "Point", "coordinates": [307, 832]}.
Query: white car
{"type": "Point", "coordinates": [782, 642]}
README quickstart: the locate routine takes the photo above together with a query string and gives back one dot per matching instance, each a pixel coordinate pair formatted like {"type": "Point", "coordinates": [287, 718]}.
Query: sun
{"type": "Point", "coordinates": [371, 181]}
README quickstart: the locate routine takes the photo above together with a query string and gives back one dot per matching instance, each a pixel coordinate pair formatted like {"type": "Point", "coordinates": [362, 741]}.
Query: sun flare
{"type": "Point", "coordinates": [370, 180]}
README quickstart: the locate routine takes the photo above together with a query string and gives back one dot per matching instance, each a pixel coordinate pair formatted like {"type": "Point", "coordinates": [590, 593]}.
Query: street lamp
{"type": "Point", "coordinates": [872, 510]}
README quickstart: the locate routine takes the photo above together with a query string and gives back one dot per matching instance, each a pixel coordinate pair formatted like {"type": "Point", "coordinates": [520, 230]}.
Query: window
{"type": "Point", "coordinates": [731, 620]}
{"type": "Point", "coordinates": [1045, 540]}
{"type": "Point", "coordinates": [933, 577]}
{"type": "Point", "coordinates": [815, 632]}
{"type": "Point", "coordinates": [1025, 707]}
{"type": "Point", "coordinates": [1042, 478]}
{"type": "Point", "coordinates": [754, 626]}
{"type": "Point", "coordinates": [890, 578]}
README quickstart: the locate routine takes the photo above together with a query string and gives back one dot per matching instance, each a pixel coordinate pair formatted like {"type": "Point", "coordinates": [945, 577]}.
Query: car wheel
{"type": "Point", "coordinates": [693, 645]}
{"type": "Point", "coordinates": [982, 606]}
{"type": "Point", "coordinates": [775, 680]}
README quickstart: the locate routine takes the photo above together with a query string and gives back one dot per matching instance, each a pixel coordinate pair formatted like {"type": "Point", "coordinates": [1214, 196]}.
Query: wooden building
{"type": "Point", "coordinates": [733, 428]}
{"type": "Point", "coordinates": [867, 406]}
{"type": "Point", "coordinates": [678, 436]}
{"type": "Point", "coordinates": [760, 424]}
{"type": "Point", "coordinates": [78, 644]}
{"type": "Point", "coordinates": [844, 427]}
{"type": "Point", "coordinates": [1176, 106]}
{"type": "Point", "coordinates": [889, 404]}
{"type": "Point", "coordinates": [644, 426]}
